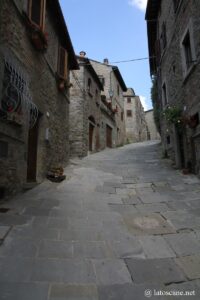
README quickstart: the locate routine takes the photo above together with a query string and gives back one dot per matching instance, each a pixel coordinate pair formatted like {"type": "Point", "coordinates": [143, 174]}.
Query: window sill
{"type": "Point", "coordinates": [38, 37]}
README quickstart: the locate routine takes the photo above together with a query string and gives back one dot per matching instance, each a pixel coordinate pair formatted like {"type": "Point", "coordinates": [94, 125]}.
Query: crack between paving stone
{"type": "Point", "coordinates": [128, 269]}
{"type": "Point", "coordinates": [175, 282]}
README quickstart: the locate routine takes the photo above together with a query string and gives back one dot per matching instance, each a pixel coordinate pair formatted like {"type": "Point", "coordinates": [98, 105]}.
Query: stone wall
{"type": "Point", "coordinates": [39, 68]}
{"type": "Point", "coordinates": [182, 90]}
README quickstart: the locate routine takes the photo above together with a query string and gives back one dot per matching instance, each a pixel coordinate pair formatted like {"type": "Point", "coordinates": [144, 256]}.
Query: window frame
{"type": "Point", "coordinates": [42, 13]}
{"type": "Point", "coordinates": [165, 101]}
{"type": "Point", "coordinates": [176, 4]}
{"type": "Point", "coordinates": [128, 99]}
{"type": "Point", "coordinates": [163, 36]}
{"type": "Point", "coordinates": [61, 75]}
{"type": "Point", "coordinates": [129, 113]}
{"type": "Point", "coordinates": [188, 32]}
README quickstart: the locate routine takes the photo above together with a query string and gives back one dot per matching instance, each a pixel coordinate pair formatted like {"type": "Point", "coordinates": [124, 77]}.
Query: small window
{"type": "Point", "coordinates": [176, 5]}
{"type": "Point", "coordinates": [3, 149]}
{"type": "Point", "coordinates": [164, 94]}
{"type": "Point", "coordinates": [36, 11]}
{"type": "Point", "coordinates": [129, 113]}
{"type": "Point", "coordinates": [168, 138]}
{"type": "Point", "coordinates": [62, 63]}
{"type": "Point", "coordinates": [163, 37]}
{"type": "Point", "coordinates": [122, 116]}
{"type": "Point", "coordinates": [89, 85]}
{"type": "Point", "coordinates": [102, 79]}
{"type": "Point", "coordinates": [187, 50]}
{"type": "Point", "coordinates": [118, 89]}
{"type": "Point", "coordinates": [129, 100]}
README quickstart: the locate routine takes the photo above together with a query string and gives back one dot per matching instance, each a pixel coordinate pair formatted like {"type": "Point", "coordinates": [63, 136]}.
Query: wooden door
{"type": "Point", "coordinates": [32, 153]}
{"type": "Point", "coordinates": [108, 136]}
{"type": "Point", "coordinates": [91, 132]}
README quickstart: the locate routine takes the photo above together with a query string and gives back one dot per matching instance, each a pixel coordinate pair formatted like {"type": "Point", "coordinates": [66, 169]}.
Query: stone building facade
{"type": "Point", "coordinates": [85, 112]}
{"type": "Point", "coordinates": [135, 123]}
{"type": "Point", "coordinates": [174, 47]}
{"type": "Point", "coordinates": [36, 55]}
{"type": "Point", "coordinates": [113, 124]}
{"type": "Point", "coordinates": [152, 133]}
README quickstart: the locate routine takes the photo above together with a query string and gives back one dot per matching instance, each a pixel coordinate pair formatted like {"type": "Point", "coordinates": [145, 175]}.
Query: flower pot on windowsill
{"type": "Point", "coordinates": [39, 39]}
{"type": "Point", "coordinates": [63, 85]}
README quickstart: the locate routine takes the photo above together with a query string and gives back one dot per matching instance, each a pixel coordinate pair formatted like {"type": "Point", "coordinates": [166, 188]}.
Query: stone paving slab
{"type": "Point", "coordinates": [191, 287]}
{"type": "Point", "coordinates": [9, 220]}
{"type": "Point", "coordinates": [195, 203]}
{"type": "Point", "coordinates": [115, 185]}
{"type": "Point", "coordinates": [87, 233]}
{"type": "Point", "coordinates": [131, 200]}
{"type": "Point", "coordinates": [73, 292]}
{"type": "Point", "coordinates": [73, 271]}
{"type": "Point", "coordinates": [23, 291]}
{"type": "Point", "coordinates": [127, 291]}
{"type": "Point", "coordinates": [15, 270]}
{"type": "Point", "coordinates": [182, 219]}
{"type": "Point", "coordinates": [148, 224]}
{"type": "Point", "coordinates": [96, 250]}
{"type": "Point", "coordinates": [19, 247]}
{"type": "Point", "coordinates": [126, 192]}
{"type": "Point", "coordinates": [111, 271]}
{"type": "Point", "coordinates": [190, 266]}
{"type": "Point", "coordinates": [123, 208]}
{"type": "Point", "coordinates": [105, 189]}
{"type": "Point", "coordinates": [151, 208]}
{"type": "Point", "coordinates": [126, 248]}
{"type": "Point", "coordinates": [154, 197]}
{"type": "Point", "coordinates": [4, 231]}
{"type": "Point", "coordinates": [178, 205]}
{"type": "Point", "coordinates": [163, 271]}
{"type": "Point", "coordinates": [183, 243]}
{"type": "Point", "coordinates": [55, 249]}
{"type": "Point", "coordinates": [35, 233]}
{"type": "Point", "coordinates": [156, 247]}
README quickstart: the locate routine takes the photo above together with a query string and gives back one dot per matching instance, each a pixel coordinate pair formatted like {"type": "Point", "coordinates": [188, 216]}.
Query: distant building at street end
{"type": "Point", "coordinates": [135, 123]}
{"type": "Point", "coordinates": [173, 29]}
{"type": "Point", "coordinates": [112, 125]}
{"type": "Point", "coordinates": [152, 133]}
{"type": "Point", "coordinates": [85, 111]}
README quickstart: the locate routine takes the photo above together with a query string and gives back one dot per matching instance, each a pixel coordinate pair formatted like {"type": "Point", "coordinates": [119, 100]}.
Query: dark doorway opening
{"type": "Point", "coordinates": [32, 153]}
{"type": "Point", "coordinates": [108, 136]}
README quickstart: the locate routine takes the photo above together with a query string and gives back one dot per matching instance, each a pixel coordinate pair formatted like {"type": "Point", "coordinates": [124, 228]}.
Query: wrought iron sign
{"type": "Point", "coordinates": [16, 98]}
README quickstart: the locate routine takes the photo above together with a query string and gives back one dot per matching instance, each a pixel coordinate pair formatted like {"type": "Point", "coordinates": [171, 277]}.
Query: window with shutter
{"type": "Point", "coordinates": [37, 12]}
{"type": "Point", "coordinates": [62, 63]}
{"type": "Point", "coordinates": [129, 113]}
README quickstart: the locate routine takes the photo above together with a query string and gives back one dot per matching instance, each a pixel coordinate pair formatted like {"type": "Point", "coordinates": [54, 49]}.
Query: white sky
{"type": "Point", "coordinates": [141, 4]}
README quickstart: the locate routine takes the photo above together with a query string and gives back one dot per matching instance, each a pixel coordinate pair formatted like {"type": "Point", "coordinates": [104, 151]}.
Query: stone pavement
{"type": "Point", "coordinates": [124, 222]}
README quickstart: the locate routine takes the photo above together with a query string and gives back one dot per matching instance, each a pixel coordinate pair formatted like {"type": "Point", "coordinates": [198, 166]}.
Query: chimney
{"type": "Point", "coordinates": [105, 61]}
{"type": "Point", "coordinates": [82, 53]}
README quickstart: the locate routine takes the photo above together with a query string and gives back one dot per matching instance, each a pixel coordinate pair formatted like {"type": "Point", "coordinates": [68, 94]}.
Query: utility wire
{"type": "Point", "coordinates": [135, 59]}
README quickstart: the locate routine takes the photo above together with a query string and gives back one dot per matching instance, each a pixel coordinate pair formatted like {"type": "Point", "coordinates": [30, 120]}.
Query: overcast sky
{"type": "Point", "coordinates": [113, 29]}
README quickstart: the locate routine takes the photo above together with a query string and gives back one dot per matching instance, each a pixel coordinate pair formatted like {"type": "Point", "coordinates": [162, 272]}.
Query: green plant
{"type": "Point", "coordinates": [173, 114]}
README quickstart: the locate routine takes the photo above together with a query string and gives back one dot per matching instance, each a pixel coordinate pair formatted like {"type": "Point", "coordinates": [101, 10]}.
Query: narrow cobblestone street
{"type": "Point", "coordinates": [122, 223]}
